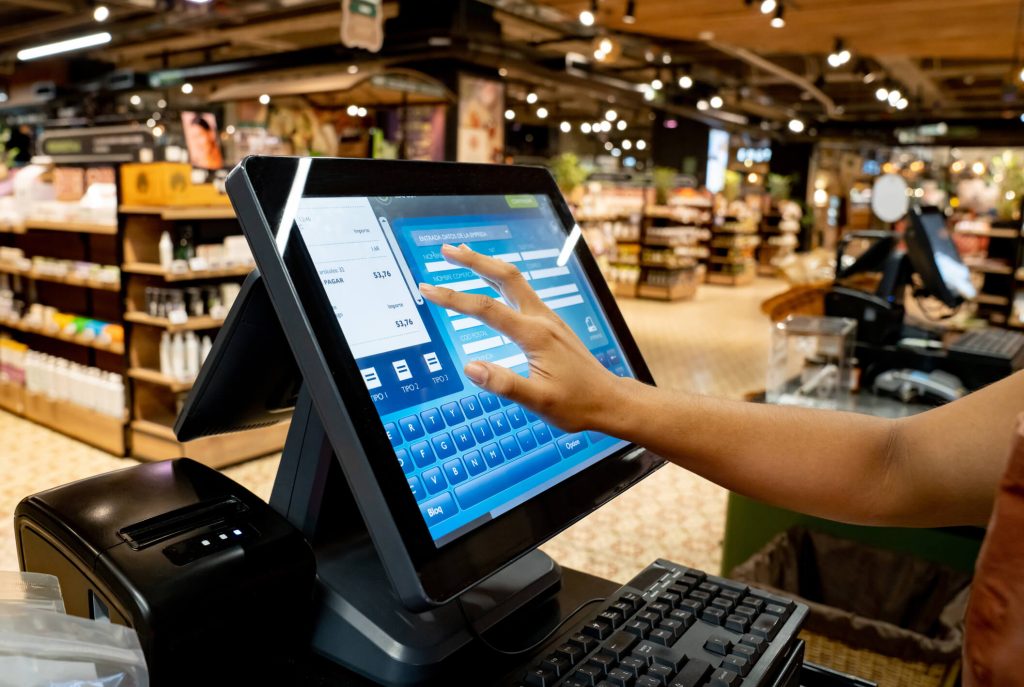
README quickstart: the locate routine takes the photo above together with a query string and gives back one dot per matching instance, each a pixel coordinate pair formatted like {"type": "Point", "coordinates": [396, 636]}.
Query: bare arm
{"type": "Point", "coordinates": [934, 469]}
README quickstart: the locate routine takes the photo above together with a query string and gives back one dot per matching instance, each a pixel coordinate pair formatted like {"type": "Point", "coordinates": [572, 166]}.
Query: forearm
{"type": "Point", "coordinates": [834, 465]}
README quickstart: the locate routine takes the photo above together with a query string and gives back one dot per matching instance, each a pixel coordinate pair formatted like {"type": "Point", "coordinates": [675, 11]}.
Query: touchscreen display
{"type": "Point", "coordinates": [468, 455]}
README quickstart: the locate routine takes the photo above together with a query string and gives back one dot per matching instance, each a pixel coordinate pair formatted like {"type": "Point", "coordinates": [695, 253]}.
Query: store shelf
{"type": "Point", "coordinates": [99, 430]}
{"type": "Point", "coordinates": [12, 397]}
{"type": "Point", "coordinates": [990, 267]}
{"type": "Point", "coordinates": [723, 279]}
{"type": "Point", "coordinates": [191, 324]}
{"type": "Point", "coordinates": [180, 213]}
{"type": "Point", "coordinates": [991, 233]}
{"type": "Point", "coordinates": [1020, 274]}
{"type": "Point", "coordinates": [8, 228]}
{"type": "Point", "coordinates": [70, 281]}
{"type": "Point", "coordinates": [990, 299]}
{"type": "Point", "coordinates": [156, 441]}
{"type": "Point", "coordinates": [675, 292]}
{"type": "Point", "coordinates": [76, 227]}
{"type": "Point", "coordinates": [115, 347]}
{"type": "Point", "coordinates": [155, 270]}
{"type": "Point", "coordinates": [144, 374]}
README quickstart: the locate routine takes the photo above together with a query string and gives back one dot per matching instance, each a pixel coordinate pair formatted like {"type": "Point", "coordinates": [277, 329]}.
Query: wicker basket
{"type": "Point", "coordinates": [884, 670]}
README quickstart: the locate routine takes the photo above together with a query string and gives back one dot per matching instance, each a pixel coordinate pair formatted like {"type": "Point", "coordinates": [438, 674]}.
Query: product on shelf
{"type": "Point", "coordinates": [62, 380]}
{"type": "Point", "coordinates": [12, 361]}
{"type": "Point", "coordinates": [178, 304]}
{"type": "Point", "coordinates": [52, 322]}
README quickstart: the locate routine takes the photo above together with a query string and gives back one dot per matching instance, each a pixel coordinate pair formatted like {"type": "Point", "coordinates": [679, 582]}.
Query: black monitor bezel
{"type": "Point", "coordinates": [451, 569]}
{"type": "Point", "coordinates": [921, 251]}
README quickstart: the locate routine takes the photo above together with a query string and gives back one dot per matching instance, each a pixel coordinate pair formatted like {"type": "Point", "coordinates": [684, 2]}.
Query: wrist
{"type": "Point", "coordinates": [616, 405]}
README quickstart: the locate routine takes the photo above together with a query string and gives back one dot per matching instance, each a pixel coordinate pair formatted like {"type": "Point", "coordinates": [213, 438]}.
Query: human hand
{"type": "Point", "coordinates": [566, 386]}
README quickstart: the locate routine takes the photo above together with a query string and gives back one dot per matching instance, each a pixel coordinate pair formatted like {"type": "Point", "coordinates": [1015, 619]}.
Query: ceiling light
{"type": "Point", "coordinates": [978, 168]}
{"type": "Point", "coordinates": [101, 13]}
{"type": "Point", "coordinates": [902, 104]}
{"type": "Point", "coordinates": [510, 114]}
{"type": "Point", "coordinates": [666, 58]}
{"type": "Point", "coordinates": [779, 20]}
{"type": "Point", "coordinates": [648, 93]}
{"type": "Point", "coordinates": [611, 115]}
{"type": "Point", "coordinates": [151, 122]}
{"type": "Point", "coordinates": [685, 82]}
{"type": "Point", "coordinates": [502, 72]}
{"type": "Point", "coordinates": [716, 102]}
{"type": "Point", "coordinates": [702, 104]}
{"type": "Point", "coordinates": [584, 127]}
{"type": "Point", "coordinates": [186, 88]}
{"type": "Point", "coordinates": [161, 103]}
{"type": "Point", "coordinates": [135, 100]}
{"type": "Point", "coordinates": [68, 45]}
{"type": "Point", "coordinates": [641, 144]}
{"type": "Point", "coordinates": [587, 18]}
{"type": "Point", "coordinates": [542, 112]}
{"type": "Point", "coordinates": [600, 55]}
{"type": "Point", "coordinates": [768, 6]}
{"type": "Point", "coordinates": [627, 144]}
{"type": "Point", "coordinates": [362, 112]}
{"type": "Point", "coordinates": [894, 96]}
{"type": "Point", "coordinates": [229, 129]}
{"type": "Point", "coordinates": [796, 126]}
{"type": "Point", "coordinates": [621, 125]}
{"type": "Point", "coordinates": [158, 131]}
{"type": "Point", "coordinates": [566, 127]}
{"type": "Point", "coordinates": [616, 152]}
{"type": "Point", "coordinates": [630, 16]}
{"type": "Point", "coordinates": [608, 145]}
{"type": "Point", "coordinates": [3, 96]}
{"type": "Point", "coordinates": [352, 110]}
{"type": "Point", "coordinates": [596, 126]}
{"type": "Point", "coordinates": [752, 178]}
{"type": "Point", "coordinates": [531, 98]}
{"type": "Point", "coordinates": [1010, 195]}
{"type": "Point", "coordinates": [833, 60]}
{"type": "Point", "coordinates": [869, 78]}
{"type": "Point", "coordinates": [157, 116]}
{"type": "Point", "coordinates": [605, 45]}
{"type": "Point", "coordinates": [882, 94]}
{"type": "Point", "coordinates": [264, 99]}
{"type": "Point", "coordinates": [606, 126]}
{"type": "Point", "coordinates": [657, 84]}
{"type": "Point", "coordinates": [352, 69]}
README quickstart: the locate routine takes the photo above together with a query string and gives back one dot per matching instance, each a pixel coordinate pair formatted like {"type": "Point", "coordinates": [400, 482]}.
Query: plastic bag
{"type": "Point", "coordinates": [44, 649]}
{"type": "Point", "coordinates": [35, 591]}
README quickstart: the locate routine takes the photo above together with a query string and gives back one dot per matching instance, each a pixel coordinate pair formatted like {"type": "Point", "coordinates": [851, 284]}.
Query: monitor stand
{"type": "Point", "coordinates": [359, 622]}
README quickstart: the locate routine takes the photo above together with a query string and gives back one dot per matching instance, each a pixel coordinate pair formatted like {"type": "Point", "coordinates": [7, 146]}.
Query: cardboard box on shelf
{"type": "Point", "coordinates": [165, 184]}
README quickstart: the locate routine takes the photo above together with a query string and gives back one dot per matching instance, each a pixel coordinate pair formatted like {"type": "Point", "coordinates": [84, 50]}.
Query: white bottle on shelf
{"type": "Point", "coordinates": [117, 395]}
{"type": "Point", "coordinates": [204, 351]}
{"type": "Point", "coordinates": [166, 248]}
{"type": "Point", "coordinates": [192, 361]}
{"type": "Point", "coordinates": [166, 365]}
{"type": "Point", "coordinates": [178, 356]}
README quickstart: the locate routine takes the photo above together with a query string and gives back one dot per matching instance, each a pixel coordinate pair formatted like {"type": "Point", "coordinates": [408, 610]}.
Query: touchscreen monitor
{"type": "Point", "coordinates": [468, 456]}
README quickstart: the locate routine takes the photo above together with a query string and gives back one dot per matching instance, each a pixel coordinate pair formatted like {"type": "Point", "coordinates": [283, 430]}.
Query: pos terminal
{"type": "Point", "coordinates": [425, 498]}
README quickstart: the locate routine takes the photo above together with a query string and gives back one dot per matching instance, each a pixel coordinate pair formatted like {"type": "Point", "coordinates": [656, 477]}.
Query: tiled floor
{"type": "Point", "coordinates": [717, 344]}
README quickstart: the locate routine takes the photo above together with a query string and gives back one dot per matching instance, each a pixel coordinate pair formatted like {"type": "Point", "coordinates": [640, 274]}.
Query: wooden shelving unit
{"type": "Point", "coordinates": [155, 270]}
{"type": "Point", "coordinates": [144, 374]}
{"type": "Point", "coordinates": [99, 430]}
{"type": "Point", "coordinates": [155, 440]}
{"type": "Point", "coordinates": [115, 347]}
{"type": "Point", "coordinates": [191, 324]}
{"type": "Point", "coordinates": [56, 279]}
{"type": "Point", "coordinates": [733, 261]}
{"type": "Point", "coordinates": [1000, 268]}
{"type": "Point", "coordinates": [183, 212]}
{"type": "Point", "coordinates": [76, 227]}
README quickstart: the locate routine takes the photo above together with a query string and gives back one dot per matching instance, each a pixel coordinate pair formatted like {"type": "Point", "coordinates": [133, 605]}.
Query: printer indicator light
{"type": "Point", "coordinates": [205, 542]}
{"type": "Point", "coordinates": [238, 533]}
{"type": "Point", "coordinates": [222, 536]}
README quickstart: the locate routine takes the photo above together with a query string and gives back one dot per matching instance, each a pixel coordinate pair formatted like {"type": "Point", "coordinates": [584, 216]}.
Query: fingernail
{"type": "Point", "coordinates": [477, 373]}
{"type": "Point", "coordinates": [447, 246]}
{"type": "Point", "coordinates": [427, 288]}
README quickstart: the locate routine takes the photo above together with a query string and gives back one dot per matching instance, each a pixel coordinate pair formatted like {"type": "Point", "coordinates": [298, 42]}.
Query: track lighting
{"type": "Point", "coordinates": [839, 55]}
{"type": "Point", "coordinates": [686, 82]}
{"type": "Point", "coordinates": [101, 13]}
{"type": "Point", "coordinates": [882, 94]}
{"type": "Point", "coordinates": [796, 126]}
{"type": "Point", "coordinates": [531, 98]}
{"type": "Point", "coordinates": [768, 6]}
{"type": "Point", "coordinates": [510, 114]}
{"type": "Point", "coordinates": [716, 102]}
{"type": "Point", "coordinates": [588, 17]}
{"type": "Point", "coordinates": [779, 20]}
{"type": "Point", "coordinates": [630, 16]}
{"type": "Point", "coordinates": [565, 127]}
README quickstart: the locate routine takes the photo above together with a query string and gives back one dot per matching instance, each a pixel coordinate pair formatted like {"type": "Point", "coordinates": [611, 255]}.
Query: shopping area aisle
{"type": "Point", "coordinates": [717, 344]}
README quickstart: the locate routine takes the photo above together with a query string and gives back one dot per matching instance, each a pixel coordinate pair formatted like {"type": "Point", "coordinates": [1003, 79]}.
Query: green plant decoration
{"type": "Point", "coordinates": [780, 186]}
{"type": "Point", "coordinates": [568, 172]}
{"type": "Point", "coordinates": [733, 184]}
{"type": "Point", "coordinates": [1008, 170]}
{"type": "Point", "coordinates": [664, 179]}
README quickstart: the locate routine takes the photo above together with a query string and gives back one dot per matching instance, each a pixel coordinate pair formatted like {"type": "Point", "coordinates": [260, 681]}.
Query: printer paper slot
{"type": "Point", "coordinates": [187, 519]}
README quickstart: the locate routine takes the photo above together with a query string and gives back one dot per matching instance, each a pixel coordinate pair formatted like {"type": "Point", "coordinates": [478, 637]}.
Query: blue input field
{"type": "Point", "coordinates": [457, 235]}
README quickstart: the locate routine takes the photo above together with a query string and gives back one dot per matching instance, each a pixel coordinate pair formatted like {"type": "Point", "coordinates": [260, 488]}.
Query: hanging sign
{"type": "Point", "coordinates": [362, 24]}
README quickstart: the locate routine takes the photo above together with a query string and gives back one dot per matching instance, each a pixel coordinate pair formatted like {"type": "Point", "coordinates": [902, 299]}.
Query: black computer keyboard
{"type": "Point", "coordinates": [983, 356]}
{"type": "Point", "coordinates": [673, 626]}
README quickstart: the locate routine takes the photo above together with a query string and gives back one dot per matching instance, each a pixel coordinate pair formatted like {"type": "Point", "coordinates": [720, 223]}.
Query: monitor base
{"type": "Point", "coordinates": [359, 622]}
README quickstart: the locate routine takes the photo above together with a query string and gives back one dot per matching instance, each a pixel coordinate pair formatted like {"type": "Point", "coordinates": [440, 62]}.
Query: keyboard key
{"type": "Point", "coordinates": [724, 678]}
{"type": "Point", "coordinates": [504, 401]}
{"type": "Point", "coordinates": [747, 652]}
{"type": "Point", "coordinates": [463, 437]}
{"type": "Point", "coordinates": [709, 587]}
{"type": "Point", "coordinates": [393, 435]}
{"type": "Point", "coordinates": [589, 674]}
{"type": "Point", "coordinates": [571, 444]}
{"type": "Point", "coordinates": [633, 665]}
{"type": "Point", "coordinates": [541, 431]}
{"type": "Point", "coordinates": [634, 600]}
{"type": "Point", "coordinates": [725, 604]}
{"type": "Point", "coordinates": [417, 488]}
{"type": "Point", "coordinates": [510, 447]}
{"type": "Point", "coordinates": [452, 414]}
{"type": "Point", "coordinates": [663, 637]}
{"type": "Point", "coordinates": [499, 423]}
{"type": "Point", "coordinates": [497, 480]}
{"type": "Point", "coordinates": [584, 642]}
{"type": "Point", "coordinates": [538, 677]}
{"type": "Point", "coordinates": [620, 644]}
{"type": "Point", "coordinates": [597, 629]}
{"type": "Point", "coordinates": [434, 480]}
{"type": "Point", "coordinates": [404, 461]}
{"type": "Point", "coordinates": [571, 653]}
{"type": "Point", "coordinates": [516, 417]}
{"type": "Point", "coordinates": [731, 594]}
{"type": "Point", "coordinates": [556, 664]}
{"type": "Point", "coordinates": [626, 609]}
{"type": "Point", "coordinates": [660, 673]}
{"type": "Point", "coordinates": [411, 427]}
{"type": "Point", "coordinates": [422, 454]}
{"type": "Point", "coordinates": [652, 618]}
{"type": "Point", "coordinates": [613, 618]}
{"type": "Point", "coordinates": [674, 626]}
{"type": "Point", "coordinates": [702, 596]}
{"type": "Point", "coordinates": [766, 626]}
{"type": "Point", "coordinates": [718, 644]}
{"type": "Point", "coordinates": [482, 431]}
{"type": "Point", "coordinates": [759, 644]}
{"type": "Point", "coordinates": [492, 454]}
{"type": "Point", "coordinates": [526, 440]}
{"type": "Point", "coordinates": [474, 462]}
{"type": "Point", "coordinates": [661, 609]}
{"type": "Point", "coordinates": [438, 509]}
{"type": "Point", "coordinates": [640, 628]}
{"type": "Point", "coordinates": [686, 617]}
{"type": "Point", "coordinates": [693, 674]}
{"type": "Point", "coordinates": [471, 407]}
{"type": "Point", "coordinates": [454, 471]}
{"type": "Point", "coordinates": [673, 657]}
{"type": "Point", "coordinates": [647, 681]}
{"type": "Point", "coordinates": [620, 677]}
{"type": "Point", "coordinates": [694, 606]}
{"type": "Point", "coordinates": [432, 420]}
{"type": "Point", "coordinates": [670, 599]}
{"type": "Point", "coordinates": [776, 609]}
{"type": "Point", "coordinates": [603, 659]}
{"type": "Point", "coordinates": [737, 623]}
{"type": "Point", "coordinates": [489, 402]}
{"type": "Point", "coordinates": [754, 602]}
{"type": "Point", "coordinates": [746, 611]}
{"type": "Point", "coordinates": [737, 664]}
{"type": "Point", "coordinates": [443, 446]}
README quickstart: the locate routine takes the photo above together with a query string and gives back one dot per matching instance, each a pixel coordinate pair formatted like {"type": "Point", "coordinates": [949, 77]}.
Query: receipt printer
{"type": "Point", "coordinates": [210, 576]}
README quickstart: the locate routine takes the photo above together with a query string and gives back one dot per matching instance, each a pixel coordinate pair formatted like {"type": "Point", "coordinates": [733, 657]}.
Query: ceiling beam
{"type": "Point", "coordinates": [907, 72]}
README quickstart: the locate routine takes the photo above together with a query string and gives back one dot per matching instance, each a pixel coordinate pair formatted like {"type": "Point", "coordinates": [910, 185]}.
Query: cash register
{"type": "Point", "coordinates": [425, 498]}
